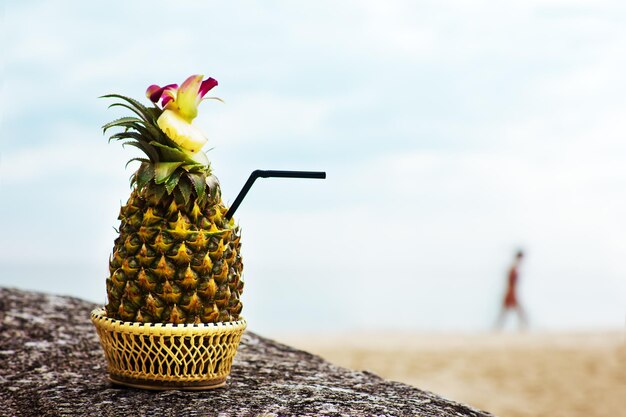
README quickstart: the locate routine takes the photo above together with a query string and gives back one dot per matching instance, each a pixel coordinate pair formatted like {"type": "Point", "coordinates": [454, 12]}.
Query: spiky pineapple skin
{"type": "Point", "coordinates": [175, 262]}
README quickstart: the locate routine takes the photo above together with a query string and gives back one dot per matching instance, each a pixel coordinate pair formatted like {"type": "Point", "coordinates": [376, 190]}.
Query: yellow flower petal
{"type": "Point", "coordinates": [187, 99]}
{"type": "Point", "coordinates": [183, 133]}
{"type": "Point", "coordinates": [200, 157]}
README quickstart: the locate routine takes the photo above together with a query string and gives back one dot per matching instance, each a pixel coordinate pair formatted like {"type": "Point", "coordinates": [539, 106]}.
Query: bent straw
{"type": "Point", "coordinates": [267, 174]}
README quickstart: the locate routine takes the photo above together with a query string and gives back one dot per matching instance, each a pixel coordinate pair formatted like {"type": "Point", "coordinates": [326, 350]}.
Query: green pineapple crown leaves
{"type": "Point", "coordinates": [168, 169]}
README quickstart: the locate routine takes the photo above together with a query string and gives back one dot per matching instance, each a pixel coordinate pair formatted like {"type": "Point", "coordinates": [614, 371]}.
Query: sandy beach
{"type": "Point", "coordinates": [508, 374]}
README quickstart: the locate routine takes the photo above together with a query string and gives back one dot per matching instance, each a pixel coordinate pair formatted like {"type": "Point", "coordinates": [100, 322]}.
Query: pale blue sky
{"type": "Point", "coordinates": [452, 133]}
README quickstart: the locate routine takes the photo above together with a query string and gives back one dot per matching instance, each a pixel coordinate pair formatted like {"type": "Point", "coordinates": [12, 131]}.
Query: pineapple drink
{"type": "Point", "coordinates": [177, 258]}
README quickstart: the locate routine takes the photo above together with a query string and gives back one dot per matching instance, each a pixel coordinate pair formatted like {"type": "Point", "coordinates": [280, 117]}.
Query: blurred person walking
{"type": "Point", "coordinates": [510, 301]}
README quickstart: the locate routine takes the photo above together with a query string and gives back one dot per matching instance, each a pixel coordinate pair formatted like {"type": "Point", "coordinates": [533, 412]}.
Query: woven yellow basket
{"type": "Point", "coordinates": [168, 356]}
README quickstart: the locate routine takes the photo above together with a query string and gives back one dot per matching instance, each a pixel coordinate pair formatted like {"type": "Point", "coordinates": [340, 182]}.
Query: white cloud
{"type": "Point", "coordinates": [70, 151]}
{"type": "Point", "coordinates": [445, 224]}
{"type": "Point", "coordinates": [481, 125]}
{"type": "Point", "coordinates": [252, 117]}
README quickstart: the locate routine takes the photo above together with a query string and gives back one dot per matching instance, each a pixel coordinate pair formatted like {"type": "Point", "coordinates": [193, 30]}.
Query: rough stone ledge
{"type": "Point", "coordinates": [51, 364]}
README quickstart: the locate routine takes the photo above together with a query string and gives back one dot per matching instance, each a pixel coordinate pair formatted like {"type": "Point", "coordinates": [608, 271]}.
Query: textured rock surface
{"type": "Point", "coordinates": [51, 364]}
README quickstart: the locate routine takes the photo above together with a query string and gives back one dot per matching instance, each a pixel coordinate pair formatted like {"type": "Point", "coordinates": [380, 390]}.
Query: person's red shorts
{"type": "Point", "coordinates": [510, 300]}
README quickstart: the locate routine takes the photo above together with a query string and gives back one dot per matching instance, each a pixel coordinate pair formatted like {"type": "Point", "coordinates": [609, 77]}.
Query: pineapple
{"type": "Point", "coordinates": [177, 258]}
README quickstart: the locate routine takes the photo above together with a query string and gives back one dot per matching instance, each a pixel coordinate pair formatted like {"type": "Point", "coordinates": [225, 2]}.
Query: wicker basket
{"type": "Point", "coordinates": [168, 356]}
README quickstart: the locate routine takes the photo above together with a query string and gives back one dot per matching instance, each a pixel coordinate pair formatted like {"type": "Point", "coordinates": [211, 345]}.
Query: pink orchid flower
{"type": "Point", "coordinates": [180, 107]}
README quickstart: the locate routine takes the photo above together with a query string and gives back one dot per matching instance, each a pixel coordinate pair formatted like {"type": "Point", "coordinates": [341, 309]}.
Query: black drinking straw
{"type": "Point", "coordinates": [267, 174]}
